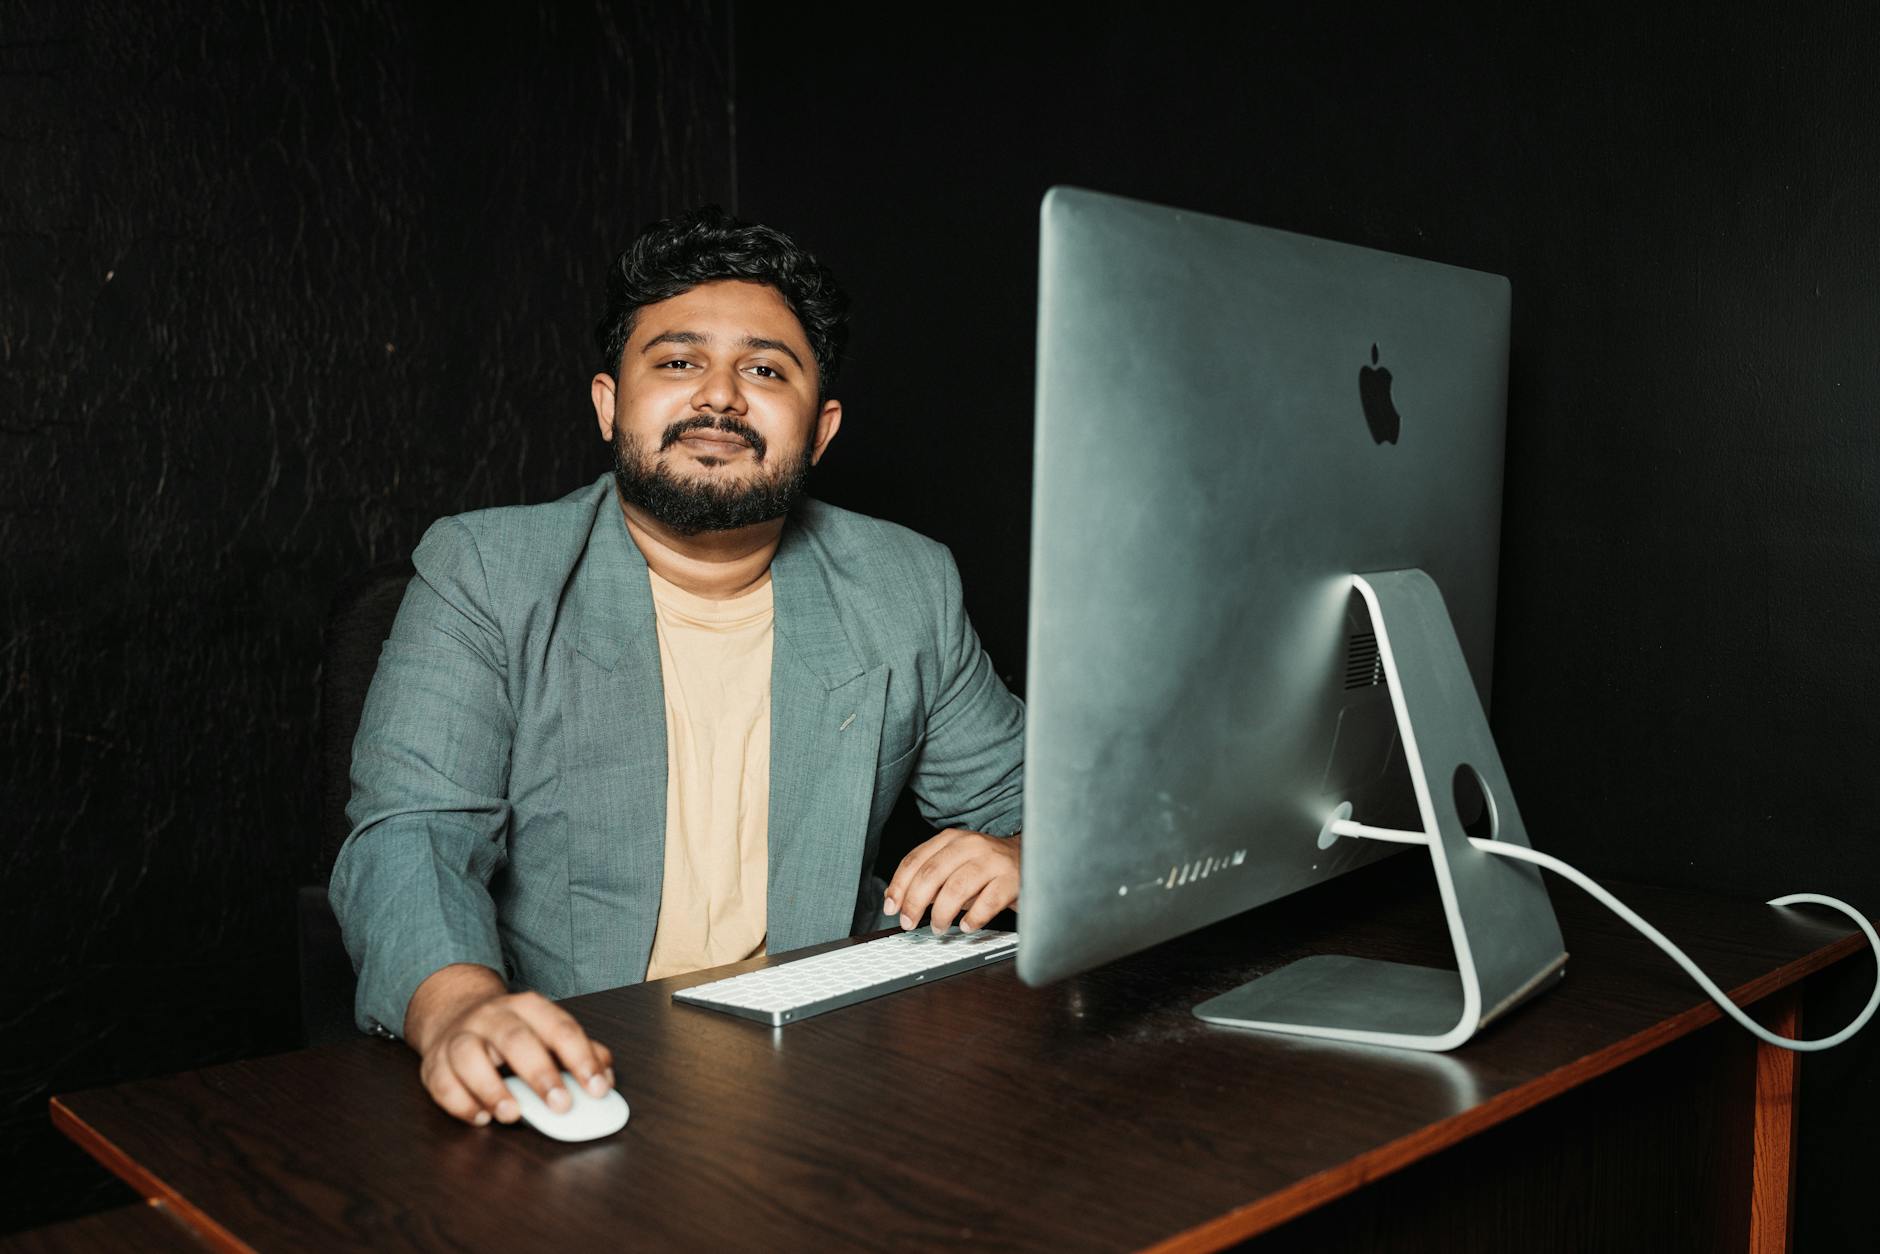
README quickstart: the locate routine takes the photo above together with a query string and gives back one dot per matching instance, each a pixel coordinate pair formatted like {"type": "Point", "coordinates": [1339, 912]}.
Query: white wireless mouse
{"type": "Point", "coordinates": [587, 1118]}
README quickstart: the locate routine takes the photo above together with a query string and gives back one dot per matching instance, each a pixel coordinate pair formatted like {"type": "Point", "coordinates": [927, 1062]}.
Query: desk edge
{"type": "Point", "coordinates": [152, 1189]}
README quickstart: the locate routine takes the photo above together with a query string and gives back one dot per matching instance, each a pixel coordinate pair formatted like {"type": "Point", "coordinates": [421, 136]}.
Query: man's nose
{"type": "Point", "coordinates": [719, 391]}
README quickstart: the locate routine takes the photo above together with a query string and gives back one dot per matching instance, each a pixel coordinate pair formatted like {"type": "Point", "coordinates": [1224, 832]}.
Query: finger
{"type": "Point", "coordinates": [998, 894]}
{"type": "Point", "coordinates": [529, 1058]}
{"type": "Point", "coordinates": [467, 1057]}
{"type": "Point", "coordinates": [897, 886]}
{"type": "Point", "coordinates": [925, 883]}
{"type": "Point", "coordinates": [605, 1057]}
{"type": "Point", "coordinates": [448, 1092]}
{"type": "Point", "coordinates": [559, 1031]}
{"type": "Point", "coordinates": [960, 888]}
{"type": "Point", "coordinates": [910, 866]}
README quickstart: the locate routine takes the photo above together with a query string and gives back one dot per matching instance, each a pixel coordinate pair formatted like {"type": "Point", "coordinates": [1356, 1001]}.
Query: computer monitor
{"type": "Point", "coordinates": [1265, 528]}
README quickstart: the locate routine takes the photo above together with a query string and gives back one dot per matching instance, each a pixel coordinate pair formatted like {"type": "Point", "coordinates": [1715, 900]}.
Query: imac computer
{"type": "Point", "coordinates": [1266, 514]}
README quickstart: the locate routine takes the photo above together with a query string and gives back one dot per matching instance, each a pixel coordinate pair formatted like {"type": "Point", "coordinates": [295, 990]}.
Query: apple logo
{"type": "Point", "coordinates": [1374, 392]}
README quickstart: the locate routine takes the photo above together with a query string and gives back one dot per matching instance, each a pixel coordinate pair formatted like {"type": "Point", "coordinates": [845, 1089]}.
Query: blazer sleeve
{"type": "Point", "coordinates": [971, 769]}
{"type": "Point", "coordinates": [430, 777]}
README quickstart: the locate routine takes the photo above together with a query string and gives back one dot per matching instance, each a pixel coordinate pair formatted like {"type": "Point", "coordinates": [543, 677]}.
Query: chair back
{"type": "Point", "coordinates": [356, 628]}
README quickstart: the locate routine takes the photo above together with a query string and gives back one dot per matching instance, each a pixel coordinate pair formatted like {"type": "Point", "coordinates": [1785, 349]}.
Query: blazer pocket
{"type": "Point", "coordinates": [901, 763]}
{"type": "Point", "coordinates": [890, 778]}
{"type": "Point", "coordinates": [891, 775]}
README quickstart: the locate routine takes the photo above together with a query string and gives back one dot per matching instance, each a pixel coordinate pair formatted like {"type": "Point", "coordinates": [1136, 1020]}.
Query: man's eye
{"type": "Point", "coordinates": [766, 372]}
{"type": "Point", "coordinates": [678, 363]}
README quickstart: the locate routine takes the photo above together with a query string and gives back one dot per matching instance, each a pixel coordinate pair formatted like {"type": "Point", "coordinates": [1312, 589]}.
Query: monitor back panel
{"type": "Point", "coordinates": [1207, 480]}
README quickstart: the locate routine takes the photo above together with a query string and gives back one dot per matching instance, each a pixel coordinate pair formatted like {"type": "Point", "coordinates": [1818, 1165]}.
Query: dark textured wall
{"type": "Point", "coordinates": [279, 285]}
{"type": "Point", "coordinates": [1688, 212]}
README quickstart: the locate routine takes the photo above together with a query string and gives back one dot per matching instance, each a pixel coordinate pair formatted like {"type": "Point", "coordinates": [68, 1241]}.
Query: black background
{"type": "Point", "coordinates": [275, 291]}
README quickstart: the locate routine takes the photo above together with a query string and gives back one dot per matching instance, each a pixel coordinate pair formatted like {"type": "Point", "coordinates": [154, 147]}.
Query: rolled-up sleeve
{"type": "Point", "coordinates": [971, 769]}
{"type": "Point", "coordinates": [430, 775]}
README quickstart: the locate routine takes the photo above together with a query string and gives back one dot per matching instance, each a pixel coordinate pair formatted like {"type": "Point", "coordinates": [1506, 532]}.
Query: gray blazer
{"type": "Point", "coordinates": [509, 776]}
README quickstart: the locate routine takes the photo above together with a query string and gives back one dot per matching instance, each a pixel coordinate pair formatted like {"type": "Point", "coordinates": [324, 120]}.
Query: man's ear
{"type": "Point", "coordinates": [828, 422]}
{"type": "Point", "coordinates": [602, 390]}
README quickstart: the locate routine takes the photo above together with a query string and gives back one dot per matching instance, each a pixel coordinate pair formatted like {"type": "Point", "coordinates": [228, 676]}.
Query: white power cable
{"type": "Point", "coordinates": [1520, 853]}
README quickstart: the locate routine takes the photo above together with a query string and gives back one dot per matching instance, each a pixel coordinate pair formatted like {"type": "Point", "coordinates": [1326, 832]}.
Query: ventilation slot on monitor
{"type": "Point", "coordinates": [1364, 666]}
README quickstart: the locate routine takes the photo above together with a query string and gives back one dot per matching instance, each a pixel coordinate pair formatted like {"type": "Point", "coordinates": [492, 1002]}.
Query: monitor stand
{"type": "Point", "coordinates": [1501, 922]}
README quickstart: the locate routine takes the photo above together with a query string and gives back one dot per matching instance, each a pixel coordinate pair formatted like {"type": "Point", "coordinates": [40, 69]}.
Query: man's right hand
{"type": "Point", "coordinates": [465, 1023]}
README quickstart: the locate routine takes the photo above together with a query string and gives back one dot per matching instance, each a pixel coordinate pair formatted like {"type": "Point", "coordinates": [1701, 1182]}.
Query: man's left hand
{"type": "Point", "coordinates": [954, 871]}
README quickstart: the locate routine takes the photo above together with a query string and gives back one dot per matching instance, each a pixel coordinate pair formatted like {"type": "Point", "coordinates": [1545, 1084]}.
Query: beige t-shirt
{"type": "Point", "coordinates": [715, 660]}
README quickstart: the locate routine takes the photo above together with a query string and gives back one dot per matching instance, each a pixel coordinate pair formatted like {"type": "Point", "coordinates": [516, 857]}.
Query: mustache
{"type": "Point", "coordinates": [731, 424]}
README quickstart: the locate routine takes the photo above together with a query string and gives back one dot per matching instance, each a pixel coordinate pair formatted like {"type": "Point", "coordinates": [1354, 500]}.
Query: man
{"type": "Point", "coordinates": [657, 725]}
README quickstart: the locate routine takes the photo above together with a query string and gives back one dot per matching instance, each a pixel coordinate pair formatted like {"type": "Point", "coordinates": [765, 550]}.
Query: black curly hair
{"type": "Point", "coordinates": [704, 245]}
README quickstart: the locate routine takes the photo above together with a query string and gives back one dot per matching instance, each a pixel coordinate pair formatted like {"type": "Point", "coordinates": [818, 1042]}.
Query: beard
{"type": "Point", "coordinates": [693, 504]}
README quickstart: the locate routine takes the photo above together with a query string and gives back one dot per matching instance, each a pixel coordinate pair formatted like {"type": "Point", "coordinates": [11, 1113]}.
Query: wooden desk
{"type": "Point", "coordinates": [1095, 1114]}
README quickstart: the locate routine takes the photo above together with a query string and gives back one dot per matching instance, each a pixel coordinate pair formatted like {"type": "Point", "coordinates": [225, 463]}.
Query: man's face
{"type": "Point", "coordinates": [715, 420]}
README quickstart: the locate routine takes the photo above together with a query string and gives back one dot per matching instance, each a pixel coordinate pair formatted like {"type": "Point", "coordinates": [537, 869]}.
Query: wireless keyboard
{"type": "Point", "coordinates": [809, 986]}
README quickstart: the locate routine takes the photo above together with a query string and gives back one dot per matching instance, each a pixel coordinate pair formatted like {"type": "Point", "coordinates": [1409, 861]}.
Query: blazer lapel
{"type": "Point", "coordinates": [615, 775]}
{"type": "Point", "coordinates": [825, 731]}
